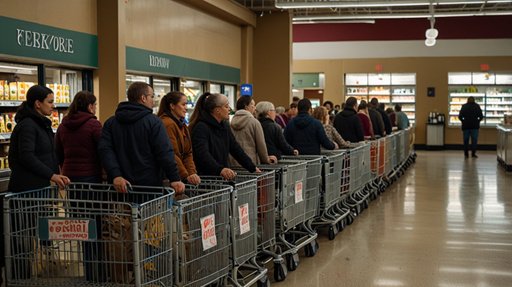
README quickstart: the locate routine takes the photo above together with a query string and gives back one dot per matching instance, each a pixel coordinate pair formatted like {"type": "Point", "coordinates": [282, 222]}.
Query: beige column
{"type": "Point", "coordinates": [246, 75]}
{"type": "Point", "coordinates": [111, 56]}
{"type": "Point", "coordinates": [272, 66]}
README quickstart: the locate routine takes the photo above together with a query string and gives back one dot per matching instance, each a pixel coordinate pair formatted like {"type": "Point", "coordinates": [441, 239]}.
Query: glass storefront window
{"type": "Point", "coordinates": [230, 92]}
{"type": "Point", "coordinates": [215, 88]}
{"type": "Point", "coordinates": [15, 80]}
{"type": "Point", "coordinates": [64, 83]}
{"type": "Point", "coordinates": [161, 87]}
{"type": "Point", "coordinates": [192, 89]}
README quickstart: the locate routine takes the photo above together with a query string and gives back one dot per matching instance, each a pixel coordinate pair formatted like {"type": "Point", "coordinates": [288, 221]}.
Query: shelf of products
{"type": "Point", "coordinates": [388, 88]}
{"type": "Point", "coordinates": [493, 92]}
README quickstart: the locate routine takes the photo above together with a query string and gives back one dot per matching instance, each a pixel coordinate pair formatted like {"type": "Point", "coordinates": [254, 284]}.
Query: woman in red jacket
{"type": "Point", "coordinates": [172, 111]}
{"type": "Point", "coordinates": [77, 139]}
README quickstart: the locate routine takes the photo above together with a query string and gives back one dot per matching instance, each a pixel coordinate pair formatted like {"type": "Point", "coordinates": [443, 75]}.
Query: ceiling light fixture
{"type": "Point", "coordinates": [367, 4]}
{"type": "Point", "coordinates": [431, 33]}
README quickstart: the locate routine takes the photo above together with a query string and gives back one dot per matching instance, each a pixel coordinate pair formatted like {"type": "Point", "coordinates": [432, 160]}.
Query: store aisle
{"type": "Point", "coordinates": [446, 222]}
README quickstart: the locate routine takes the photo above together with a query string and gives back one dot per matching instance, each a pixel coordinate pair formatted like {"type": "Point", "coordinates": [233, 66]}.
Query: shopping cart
{"type": "Point", "coordinates": [203, 235]}
{"type": "Point", "coordinates": [89, 235]}
{"type": "Point", "coordinates": [244, 229]}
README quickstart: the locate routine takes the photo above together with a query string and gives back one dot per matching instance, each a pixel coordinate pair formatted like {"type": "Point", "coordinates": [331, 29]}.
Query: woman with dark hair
{"type": "Point", "coordinates": [212, 139]}
{"type": "Point", "coordinates": [172, 111]}
{"type": "Point", "coordinates": [32, 161]}
{"type": "Point", "coordinates": [76, 142]}
{"type": "Point", "coordinates": [249, 133]}
{"type": "Point", "coordinates": [364, 117]}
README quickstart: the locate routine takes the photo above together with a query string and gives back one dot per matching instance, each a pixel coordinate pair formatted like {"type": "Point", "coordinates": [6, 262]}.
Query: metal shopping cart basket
{"type": "Point", "coordinates": [202, 236]}
{"type": "Point", "coordinates": [89, 235]}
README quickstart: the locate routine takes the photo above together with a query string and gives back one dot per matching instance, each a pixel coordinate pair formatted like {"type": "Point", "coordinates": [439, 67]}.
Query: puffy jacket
{"type": "Point", "coordinates": [32, 156]}
{"type": "Point", "coordinates": [470, 115]}
{"type": "Point", "coordinates": [134, 145]}
{"type": "Point", "coordinates": [348, 124]}
{"type": "Point", "coordinates": [249, 134]}
{"type": "Point", "coordinates": [76, 145]}
{"type": "Point", "coordinates": [213, 142]}
{"type": "Point", "coordinates": [274, 138]}
{"type": "Point", "coordinates": [377, 122]}
{"type": "Point", "coordinates": [306, 134]}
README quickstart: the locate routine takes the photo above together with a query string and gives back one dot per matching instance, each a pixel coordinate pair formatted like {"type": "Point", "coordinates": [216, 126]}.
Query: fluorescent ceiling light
{"type": "Point", "coordinates": [18, 68]}
{"type": "Point", "coordinates": [398, 16]}
{"type": "Point", "coordinates": [334, 22]}
{"type": "Point", "coordinates": [368, 4]}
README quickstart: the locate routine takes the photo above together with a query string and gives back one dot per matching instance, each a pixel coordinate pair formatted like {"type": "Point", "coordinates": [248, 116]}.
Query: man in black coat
{"type": "Point", "coordinates": [306, 133]}
{"type": "Point", "coordinates": [347, 122]}
{"type": "Point", "coordinates": [134, 145]}
{"type": "Point", "coordinates": [470, 115]}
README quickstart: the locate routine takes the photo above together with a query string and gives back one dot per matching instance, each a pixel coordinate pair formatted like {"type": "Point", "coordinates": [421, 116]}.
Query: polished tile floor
{"type": "Point", "coordinates": [446, 222]}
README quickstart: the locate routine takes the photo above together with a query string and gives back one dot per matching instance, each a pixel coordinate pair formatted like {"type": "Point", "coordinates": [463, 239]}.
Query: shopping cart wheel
{"type": "Point", "coordinates": [292, 261]}
{"type": "Point", "coordinates": [332, 232]}
{"type": "Point", "coordinates": [350, 219]}
{"type": "Point", "coordinates": [280, 271]}
{"type": "Point", "coordinates": [264, 282]}
{"type": "Point", "coordinates": [311, 249]}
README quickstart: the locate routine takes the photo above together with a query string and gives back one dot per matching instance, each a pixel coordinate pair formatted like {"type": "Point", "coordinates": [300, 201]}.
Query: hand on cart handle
{"type": "Point", "coordinates": [257, 170]}
{"type": "Point", "coordinates": [194, 179]}
{"type": "Point", "coordinates": [178, 186]}
{"type": "Point", "coordinates": [60, 180]}
{"type": "Point", "coordinates": [121, 184]}
{"type": "Point", "coordinates": [227, 173]}
{"type": "Point", "coordinates": [272, 159]}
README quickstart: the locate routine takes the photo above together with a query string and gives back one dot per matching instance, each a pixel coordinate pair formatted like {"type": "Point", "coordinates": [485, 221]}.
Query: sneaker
{"type": "Point", "coordinates": [466, 155]}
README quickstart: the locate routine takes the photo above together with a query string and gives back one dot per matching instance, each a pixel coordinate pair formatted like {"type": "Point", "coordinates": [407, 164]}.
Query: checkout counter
{"type": "Point", "coordinates": [504, 146]}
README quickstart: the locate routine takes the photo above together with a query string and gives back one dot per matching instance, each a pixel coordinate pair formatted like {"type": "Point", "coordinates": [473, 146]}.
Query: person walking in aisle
{"type": "Point", "coordinates": [322, 114]}
{"type": "Point", "coordinates": [305, 133]}
{"type": "Point", "coordinates": [470, 115]}
{"type": "Point", "coordinates": [33, 165]}
{"type": "Point", "coordinates": [347, 122]}
{"type": "Point", "coordinates": [249, 133]}
{"type": "Point", "coordinates": [274, 138]}
{"type": "Point", "coordinates": [134, 146]}
{"type": "Point", "coordinates": [76, 141]}
{"type": "Point", "coordinates": [172, 112]}
{"type": "Point", "coordinates": [212, 139]}
{"type": "Point", "coordinates": [402, 121]}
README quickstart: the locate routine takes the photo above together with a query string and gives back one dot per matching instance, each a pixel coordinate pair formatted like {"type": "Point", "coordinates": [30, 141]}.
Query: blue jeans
{"type": "Point", "coordinates": [473, 134]}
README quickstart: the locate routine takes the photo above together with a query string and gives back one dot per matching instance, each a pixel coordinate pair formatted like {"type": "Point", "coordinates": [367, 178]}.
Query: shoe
{"type": "Point", "coordinates": [466, 155]}
{"type": "Point", "coordinates": [474, 156]}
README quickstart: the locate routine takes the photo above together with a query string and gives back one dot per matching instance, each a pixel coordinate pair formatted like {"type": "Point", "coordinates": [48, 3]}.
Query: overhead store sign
{"type": "Point", "coordinates": [246, 90]}
{"type": "Point", "coordinates": [32, 40]}
{"type": "Point", "coordinates": [140, 60]}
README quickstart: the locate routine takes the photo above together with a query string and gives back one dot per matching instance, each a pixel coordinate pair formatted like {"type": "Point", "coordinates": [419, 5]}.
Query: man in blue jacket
{"type": "Point", "coordinates": [134, 146]}
{"type": "Point", "coordinates": [306, 133]}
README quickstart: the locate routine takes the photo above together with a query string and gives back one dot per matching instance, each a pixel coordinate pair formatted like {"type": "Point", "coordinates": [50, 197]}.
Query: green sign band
{"type": "Point", "coordinates": [170, 65]}
{"type": "Point", "coordinates": [32, 40]}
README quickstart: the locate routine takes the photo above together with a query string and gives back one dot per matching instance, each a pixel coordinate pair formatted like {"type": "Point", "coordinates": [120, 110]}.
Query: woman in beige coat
{"type": "Point", "coordinates": [249, 133]}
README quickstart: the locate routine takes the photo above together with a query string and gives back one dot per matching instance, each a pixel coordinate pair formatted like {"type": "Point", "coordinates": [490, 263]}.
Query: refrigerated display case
{"type": "Point", "coordinates": [493, 92]}
{"type": "Point", "coordinates": [160, 87]}
{"type": "Point", "coordinates": [388, 88]}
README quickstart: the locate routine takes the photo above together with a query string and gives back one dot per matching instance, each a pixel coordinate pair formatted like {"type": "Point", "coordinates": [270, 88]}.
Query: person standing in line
{"type": "Point", "coordinates": [362, 112]}
{"type": "Point", "coordinates": [172, 112]}
{"type": "Point", "coordinates": [279, 117]}
{"type": "Point", "coordinates": [290, 113]}
{"type": "Point", "coordinates": [305, 133]}
{"type": "Point", "coordinates": [76, 141]}
{"type": "Point", "coordinates": [401, 118]}
{"type": "Point", "coordinates": [379, 107]}
{"type": "Point", "coordinates": [392, 116]}
{"type": "Point", "coordinates": [274, 138]}
{"type": "Point", "coordinates": [212, 139]}
{"type": "Point", "coordinates": [379, 129]}
{"type": "Point", "coordinates": [134, 146]}
{"type": "Point", "coordinates": [33, 164]}
{"type": "Point", "coordinates": [470, 115]}
{"type": "Point", "coordinates": [249, 133]}
{"type": "Point", "coordinates": [347, 122]}
{"type": "Point", "coordinates": [322, 114]}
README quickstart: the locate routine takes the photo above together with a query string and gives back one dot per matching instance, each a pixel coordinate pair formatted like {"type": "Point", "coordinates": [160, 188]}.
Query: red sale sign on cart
{"type": "Point", "coordinates": [243, 214]}
{"type": "Point", "coordinates": [62, 229]}
{"type": "Point", "coordinates": [208, 231]}
{"type": "Point", "coordinates": [298, 192]}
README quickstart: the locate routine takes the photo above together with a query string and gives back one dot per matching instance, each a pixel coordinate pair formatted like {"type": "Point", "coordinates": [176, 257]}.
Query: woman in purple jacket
{"type": "Point", "coordinates": [77, 139]}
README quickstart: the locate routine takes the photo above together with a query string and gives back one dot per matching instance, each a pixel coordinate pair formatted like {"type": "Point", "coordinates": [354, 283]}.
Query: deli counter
{"type": "Point", "coordinates": [504, 146]}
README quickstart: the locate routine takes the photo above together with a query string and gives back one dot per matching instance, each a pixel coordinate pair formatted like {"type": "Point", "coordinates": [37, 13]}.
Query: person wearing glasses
{"type": "Point", "coordinates": [134, 146]}
{"type": "Point", "coordinates": [212, 139]}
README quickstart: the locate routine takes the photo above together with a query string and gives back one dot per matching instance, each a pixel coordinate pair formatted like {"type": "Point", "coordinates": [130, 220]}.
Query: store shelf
{"type": "Point", "coordinates": [10, 103]}
{"type": "Point", "coordinates": [398, 95]}
{"type": "Point", "coordinates": [5, 136]}
{"type": "Point", "coordinates": [357, 94]}
{"type": "Point", "coordinates": [465, 95]}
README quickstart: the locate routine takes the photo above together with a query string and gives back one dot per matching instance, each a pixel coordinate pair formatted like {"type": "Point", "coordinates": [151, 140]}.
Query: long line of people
{"type": "Point", "coordinates": [136, 147]}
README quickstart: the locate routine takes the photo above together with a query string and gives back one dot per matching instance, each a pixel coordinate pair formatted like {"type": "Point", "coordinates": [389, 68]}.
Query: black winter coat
{"type": "Point", "coordinates": [212, 143]}
{"type": "Point", "coordinates": [32, 156]}
{"type": "Point", "coordinates": [470, 115]}
{"type": "Point", "coordinates": [387, 122]}
{"type": "Point", "coordinates": [377, 122]}
{"type": "Point", "coordinates": [306, 134]}
{"type": "Point", "coordinates": [349, 126]}
{"type": "Point", "coordinates": [135, 145]}
{"type": "Point", "coordinates": [274, 139]}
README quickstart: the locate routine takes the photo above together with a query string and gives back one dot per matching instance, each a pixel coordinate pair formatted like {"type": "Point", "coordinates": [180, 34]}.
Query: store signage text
{"type": "Point", "coordinates": [159, 62]}
{"type": "Point", "coordinates": [44, 41]}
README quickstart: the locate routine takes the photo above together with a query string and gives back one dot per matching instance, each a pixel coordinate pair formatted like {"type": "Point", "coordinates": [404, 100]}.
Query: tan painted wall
{"type": "Point", "coordinates": [430, 72]}
{"type": "Point", "coordinates": [173, 28]}
{"type": "Point", "coordinates": [273, 58]}
{"type": "Point", "coordinates": [76, 15]}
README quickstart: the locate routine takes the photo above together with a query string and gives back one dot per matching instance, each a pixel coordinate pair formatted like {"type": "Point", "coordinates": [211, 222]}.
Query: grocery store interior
{"type": "Point", "coordinates": [445, 221]}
